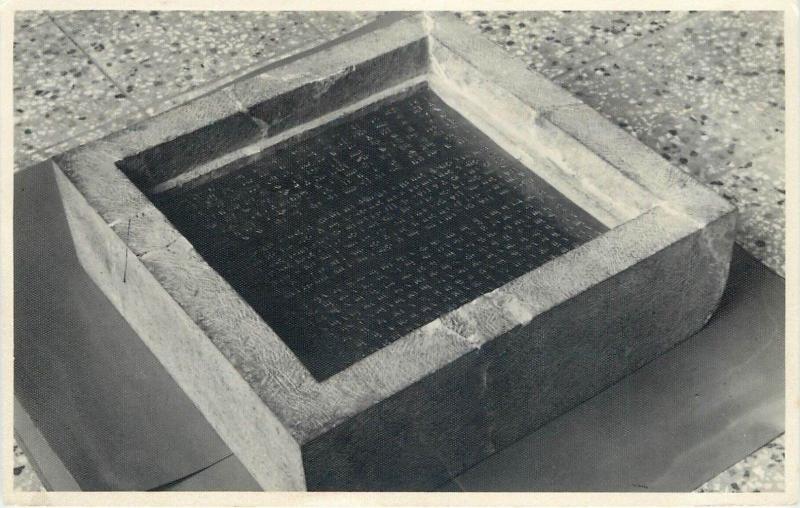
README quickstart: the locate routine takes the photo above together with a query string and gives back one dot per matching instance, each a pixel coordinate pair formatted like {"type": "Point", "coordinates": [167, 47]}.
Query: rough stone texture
{"type": "Point", "coordinates": [446, 395]}
{"type": "Point", "coordinates": [629, 156]}
{"type": "Point", "coordinates": [169, 159]}
{"type": "Point", "coordinates": [579, 34]}
{"type": "Point", "coordinates": [315, 97]}
{"type": "Point", "coordinates": [82, 374]}
{"type": "Point", "coordinates": [258, 438]}
{"type": "Point", "coordinates": [542, 93]}
{"type": "Point", "coordinates": [528, 374]}
{"type": "Point", "coordinates": [705, 90]}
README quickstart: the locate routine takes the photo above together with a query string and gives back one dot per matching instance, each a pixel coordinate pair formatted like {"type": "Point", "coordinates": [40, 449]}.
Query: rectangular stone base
{"type": "Point", "coordinates": [360, 291]}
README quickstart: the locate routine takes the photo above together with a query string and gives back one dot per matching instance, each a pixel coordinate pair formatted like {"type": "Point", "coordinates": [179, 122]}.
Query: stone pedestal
{"type": "Point", "coordinates": [208, 235]}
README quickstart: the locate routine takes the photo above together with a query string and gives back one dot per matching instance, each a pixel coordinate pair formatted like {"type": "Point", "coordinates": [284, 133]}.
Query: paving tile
{"type": "Point", "coordinates": [763, 471]}
{"type": "Point", "coordinates": [89, 135]}
{"type": "Point", "coordinates": [762, 221]}
{"type": "Point", "coordinates": [720, 59]}
{"type": "Point", "coordinates": [554, 42]}
{"type": "Point", "coordinates": [24, 20]}
{"type": "Point", "coordinates": [154, 55]}
{"type": "Point", "coordinates": [25, 478]}
{"type": "Point", "coordinates": [58, 92]}
{"type": "Point", "coordinates": [23, 159]}
{"type": "Point", "coordinates": [705, 128]}
{"type": "Point", "coordinates": [702, 142]}
{"type": "Point", "coordinates": [335, 23]}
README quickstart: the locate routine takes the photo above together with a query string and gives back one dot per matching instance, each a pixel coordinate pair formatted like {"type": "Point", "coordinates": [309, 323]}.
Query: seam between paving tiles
{"type": "Point", "coordinates": [173, 101]}
{"type": "Point", "coordinates": [263, 67]}
{"type": "Point", "coordinates": [93, 61]}
{"type": "Point", "coordinates": [44, 18]}
{"type": "Point", "coordinates": [143, 111]}
{"type": "Point", "coordinates": [150, 110]}
{"type": "Point", "coordinates": [124, 122]}
{"type": "Point", "coordinates": [650, 37]}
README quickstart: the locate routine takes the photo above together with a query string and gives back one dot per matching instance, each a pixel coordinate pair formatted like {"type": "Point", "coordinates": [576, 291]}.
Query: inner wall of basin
{"type": "Point", "coordinates": [348, 239]}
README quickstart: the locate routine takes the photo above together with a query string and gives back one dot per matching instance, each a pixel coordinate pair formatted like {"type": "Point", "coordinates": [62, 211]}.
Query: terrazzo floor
{"type": "Point", "coordinates": [703, 89]}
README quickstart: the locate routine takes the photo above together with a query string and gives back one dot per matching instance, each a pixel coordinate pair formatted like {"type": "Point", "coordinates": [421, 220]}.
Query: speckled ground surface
{"type": "Point", "coordinates": [156, 55]}
{"type": "Point", "coordinates": [553, 42]}
{"type": "Point", "coordinates": [704, 89]}
{"type": "Point", "coordinates": [59, 92]}
{"type": "Point", "coordinates": [90, 73]}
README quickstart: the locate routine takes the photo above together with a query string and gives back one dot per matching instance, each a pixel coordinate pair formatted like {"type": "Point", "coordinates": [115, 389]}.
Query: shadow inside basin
{"type": "Point", "coordinates": [347, 239]}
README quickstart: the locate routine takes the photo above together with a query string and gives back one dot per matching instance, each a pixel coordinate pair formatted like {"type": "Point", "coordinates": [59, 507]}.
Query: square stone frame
{"type": "Point", "coordinates": [450, 393]}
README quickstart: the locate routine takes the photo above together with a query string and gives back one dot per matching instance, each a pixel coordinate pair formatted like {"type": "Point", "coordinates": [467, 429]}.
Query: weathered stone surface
{"type": "Point", "coordinates": [527, 374]}
{"type": "Point", "coordinates": [86, 379]}
{"type": "Point", "coordinates": [321, 96]}
{"type": "Point", "coordinates": [438, 399]}
{"type": "Point", "coordinates": [384, 54]}
{"type": "Point", "coordinates": [251, 430]}
{"type": "Point", "coordinates": [171, 158]}
{"type": "Point", "coordinates": [480, 53]}
{"type": "Point", "coordinates": [518, 123]}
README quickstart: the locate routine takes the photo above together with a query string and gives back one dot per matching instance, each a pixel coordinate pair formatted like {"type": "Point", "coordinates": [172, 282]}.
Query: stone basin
{"type": "Point", "coordinates": [376, 265]}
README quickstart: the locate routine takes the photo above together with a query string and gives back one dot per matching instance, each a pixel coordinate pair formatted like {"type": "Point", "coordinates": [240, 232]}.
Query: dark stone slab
{"type": "Point", "coordinates": [362, 232]}
{"type": "Point", "coordinates": [106, 406]}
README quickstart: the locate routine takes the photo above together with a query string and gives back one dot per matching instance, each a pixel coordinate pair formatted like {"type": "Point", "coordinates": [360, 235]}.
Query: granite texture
{"type": "Point", "coordinates": [707, 94]}
{"type": "Point", "coordinates": [155, 55]}
{"type": "Point", "coordinates": [557, 42]}
{"type": "Point", "coordinates": [760, 198]}
{"type": "Point", "coordinates": [682, 94]}
{"type": "Point", "coordinates": [152, 61]}
{"type": "Point", "coordinates": [24, 20]}
{"type": "Point", "coordinates": [335, 23]}
{"type": "Point", "coordinates": [345, 416]}
{"type": "Point", "coordinates": [58, 91]}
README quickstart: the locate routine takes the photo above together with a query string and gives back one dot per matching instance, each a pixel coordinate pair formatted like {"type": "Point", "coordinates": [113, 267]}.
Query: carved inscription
{"type": "Point", "coordinates": [356, 235]}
